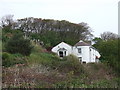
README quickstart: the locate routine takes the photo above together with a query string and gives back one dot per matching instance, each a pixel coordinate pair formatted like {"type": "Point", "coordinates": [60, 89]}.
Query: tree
{"type": "Point", "coordinates": [7, 33]}
{"type": "Point", "coordinates": [7, 20]}
{"type": "Point", "coordinates": [108, 36]}
{"type": "Point", "coordinates": [63, 30]}
{"type": "Point", "coordinates": [17, 44]}
{"type": "Point", "coordinates": [109, 51]}
{"type": "Point", "coordinates": [109, 47]}
{"type": "Point", "coordinates": [97, 41]}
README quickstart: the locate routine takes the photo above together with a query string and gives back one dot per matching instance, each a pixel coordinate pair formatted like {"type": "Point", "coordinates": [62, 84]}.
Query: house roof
{"type": "Point", "coordinates": [82, 43]}
{"type": "Point", "coordinates": [61, 49]}
{"type": "Point", "coordinates": [67, 44]}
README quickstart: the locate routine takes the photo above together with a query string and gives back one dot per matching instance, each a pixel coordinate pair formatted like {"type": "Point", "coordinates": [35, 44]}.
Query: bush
{"type": "Point", "coordinates": [5, 55]}
{"type": "Point", "coordinates": [17, 44]}
{"type": "Point", "coordinates": [71, 63]}
{"type": "Point", "coordinates": [110, 53]}
{"type": "Point", "coordinates": [12, 59]}
{"type": "Point", "coordinates": [7, 60]}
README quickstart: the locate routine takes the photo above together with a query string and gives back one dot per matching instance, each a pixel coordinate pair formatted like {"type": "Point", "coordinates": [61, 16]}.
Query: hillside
{"type": "Point", "coordinates": [27, 60]}
{"type": "Point", "coordinates": [43, 69]}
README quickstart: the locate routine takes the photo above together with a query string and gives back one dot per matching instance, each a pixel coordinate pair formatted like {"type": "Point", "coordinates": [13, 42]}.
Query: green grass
{"type": "Point", "coordinates": [42, 58]}
{"type": "Point", "coordinates": [9, 60]}
{"type": "Point", "coordinates": [78, 83]}
{"type": "Point", "coordinates": [37, 48]}
{"type": "Point", "coordinates": [39, 56]}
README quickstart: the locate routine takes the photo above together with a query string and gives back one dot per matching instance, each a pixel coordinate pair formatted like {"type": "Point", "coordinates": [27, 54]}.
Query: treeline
{"type": "Point", "coordinates": [48, 31]}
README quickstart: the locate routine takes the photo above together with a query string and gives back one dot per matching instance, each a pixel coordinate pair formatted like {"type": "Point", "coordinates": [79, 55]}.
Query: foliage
{"type": "Point", "coordinates": [7, 33]}
{"type": "Point", "coordinates": [37, 48]}
{"type": "Point", "coordinates": [71, 63]}
{"type": "Point", "coordinates": [71, 73]}
{"type": "Point", "coordinates": [77, 83]}
{"type": "Point", "coordinates": [68, 72]}
{"type": "Point", "coordinates": [46, 59]}
{"type": "Point", "coordinates": [105, 84]}
{"type": "Point", "coordinates": [74, 83]}
{"type": "Point", "coordinates": [68, 64]}
{"type": "Point", "coordinates": [39, 76]}
{"type": "Point", "coordinates": [51, 32]}
{"type": "Point", "coordinates": [97, 40]}
{"type": "Point", "coordinates": [10, 40]}
{"type": "Point", "coordinates": [50, 38]}
{"type": "Point", "coordinates": [17, 44]}
{"type": "Point", "coordinates": [109, 51]}
{"type": "Point", "coordinates": [12, 59]}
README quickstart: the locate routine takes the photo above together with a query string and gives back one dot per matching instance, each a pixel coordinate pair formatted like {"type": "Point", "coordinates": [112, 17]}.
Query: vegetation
{"type": "Point", "coordinates": [71, 64]}
{"type": "Point", "coordinates": [25, 66]}
{"type": "Point", "coordinates": [14, 42]}
{"type": "Point", "coordinates": [109, 51]}
{"type": "Point", "coordinates": [17, 44]}
{"type": "Point", "coordinates": [51, 32]}
{"type": "Point", "coordinates": [12, 59]}
{"type": "Point", "coordinates": [38, 69]}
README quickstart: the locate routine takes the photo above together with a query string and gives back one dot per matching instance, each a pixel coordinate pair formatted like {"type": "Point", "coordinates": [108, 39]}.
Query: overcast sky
{"type": "Point", "coordinates": [101, 15]}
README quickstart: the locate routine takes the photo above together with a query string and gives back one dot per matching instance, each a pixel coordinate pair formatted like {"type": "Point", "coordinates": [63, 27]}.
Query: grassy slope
{"type": "Point", "coordinates": [44, 69]}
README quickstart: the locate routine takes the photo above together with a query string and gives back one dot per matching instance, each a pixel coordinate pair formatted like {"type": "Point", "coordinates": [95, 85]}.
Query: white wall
{"type": "Point", "coordinates": [87, 55]}
{"type": "Point", "coordinates": [84, 52]}
{"type": "Point", "coordinates": [93, 54]}
{"type": "Point", "coordinates": [62, 45]}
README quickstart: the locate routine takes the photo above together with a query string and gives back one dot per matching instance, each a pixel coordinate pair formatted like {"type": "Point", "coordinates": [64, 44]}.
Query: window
{"type": "Point", "coordinates": [90, 49]}
{"type": "Point", "coordinates": [65, 53]}
{"type": "Point", "coordinates": [80, 58]}
{"type": "Point", "coordinates": [79, 50]}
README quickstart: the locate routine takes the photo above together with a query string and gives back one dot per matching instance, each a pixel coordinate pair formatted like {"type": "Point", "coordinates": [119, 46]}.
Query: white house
{"type": "Point", "coordinates": [84, 51]}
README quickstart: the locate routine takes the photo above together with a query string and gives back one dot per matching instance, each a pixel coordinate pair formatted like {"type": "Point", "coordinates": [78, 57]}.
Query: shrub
{"type": "Point", "coordinates": [71, 63]}
{"type": "Point", "coordinates": [7, 60]}
{"type": "Point", "coordinates": [17, 44]}
{"type": "Point", "coordinates": [37, 48]}
{"type": "Point", "coordinates": [5, 55]}
{"type": "Point", "coordinates": [12, 59]}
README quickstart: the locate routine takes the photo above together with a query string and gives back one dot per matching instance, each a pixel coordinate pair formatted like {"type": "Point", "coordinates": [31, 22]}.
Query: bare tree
{"type": "Point", "coordinates": [108, 36]}
{"type": "Point", "coordinates": [7, 20]}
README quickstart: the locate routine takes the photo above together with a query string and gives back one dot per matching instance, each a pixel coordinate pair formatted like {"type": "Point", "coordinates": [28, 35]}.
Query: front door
{"type": "Point", "coordinates": [61, 53]}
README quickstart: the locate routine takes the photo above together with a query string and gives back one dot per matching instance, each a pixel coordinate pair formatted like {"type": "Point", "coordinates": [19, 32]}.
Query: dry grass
{"type": "Point", "coordinates": [98, 71]}
{"type": "Point", "coordinates": [30, 77]}
{"type": "Point", "coordinates": [39, 76]}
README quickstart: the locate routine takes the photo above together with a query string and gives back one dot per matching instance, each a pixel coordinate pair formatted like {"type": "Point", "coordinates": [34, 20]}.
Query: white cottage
{"type": "Point", "coordinates": [84, 51]}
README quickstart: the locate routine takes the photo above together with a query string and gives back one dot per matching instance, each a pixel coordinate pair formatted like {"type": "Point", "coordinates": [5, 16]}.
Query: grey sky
{"type": "Point", "coordinates": [101, 15]}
